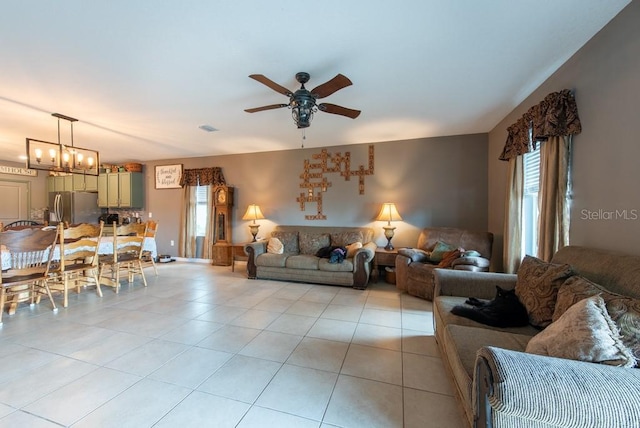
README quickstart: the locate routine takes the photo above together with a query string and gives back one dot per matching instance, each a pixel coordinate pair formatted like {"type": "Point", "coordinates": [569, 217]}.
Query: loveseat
{"type": "Point", "coordinates": [299, 262]}
{"type": "Point", "coordinates": [415, 266]}
{"type": "Point", "coordinates": [500, 385]}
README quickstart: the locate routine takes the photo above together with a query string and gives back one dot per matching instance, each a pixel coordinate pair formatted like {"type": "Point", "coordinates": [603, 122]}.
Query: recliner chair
{"type": "Point", "coordinates": [414, 267]}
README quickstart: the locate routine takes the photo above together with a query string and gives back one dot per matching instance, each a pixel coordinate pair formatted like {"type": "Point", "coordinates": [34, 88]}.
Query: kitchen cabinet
{"type": "Point", "coordinates": [85, 183]}
{"type": "Point", "coordinates": [60, 183]}
{"type": "Point", "coordinates": [121, 190]}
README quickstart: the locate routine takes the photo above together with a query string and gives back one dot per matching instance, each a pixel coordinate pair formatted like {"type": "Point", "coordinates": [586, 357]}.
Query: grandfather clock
{"type": "Point", "coordinates": [222, 216]}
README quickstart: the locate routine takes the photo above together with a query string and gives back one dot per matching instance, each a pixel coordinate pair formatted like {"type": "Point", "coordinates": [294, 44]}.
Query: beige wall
{"type": "Point", "coordinates": [433, 181]}
{"type": "Point", "coordinates": [604, 75]}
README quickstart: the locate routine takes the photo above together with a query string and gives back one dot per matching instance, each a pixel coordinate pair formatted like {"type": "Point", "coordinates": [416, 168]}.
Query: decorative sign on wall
{"type": "Point", "coordinates": [18, 171]}
{"type": "Point", "coordinates": [315, 183]}
{"type": "Point", "coordinates": [168, 176]}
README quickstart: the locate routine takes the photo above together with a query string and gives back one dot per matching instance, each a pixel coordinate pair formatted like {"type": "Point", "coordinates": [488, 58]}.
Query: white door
{"type": "Point", "coordinates": [15, 201]}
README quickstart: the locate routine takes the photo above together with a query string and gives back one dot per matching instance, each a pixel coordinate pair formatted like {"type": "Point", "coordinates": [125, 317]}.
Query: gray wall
{"type": "Point", "coordinates": [604, 75]}
{"type": "Point", "coordinates": [433, 181]}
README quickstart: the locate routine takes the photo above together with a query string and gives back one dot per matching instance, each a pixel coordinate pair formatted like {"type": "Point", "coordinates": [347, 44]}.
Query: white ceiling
{"type": "Point", "coordinates": [142, 75]}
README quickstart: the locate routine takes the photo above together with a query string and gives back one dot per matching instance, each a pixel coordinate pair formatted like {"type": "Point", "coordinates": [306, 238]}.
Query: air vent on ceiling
{"type": "Point", "coordinates": [207, 128]}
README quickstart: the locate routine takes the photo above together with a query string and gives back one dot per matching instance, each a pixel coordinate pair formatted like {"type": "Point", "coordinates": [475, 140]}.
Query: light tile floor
{"type": "Point", "coordinates": [202, 346]}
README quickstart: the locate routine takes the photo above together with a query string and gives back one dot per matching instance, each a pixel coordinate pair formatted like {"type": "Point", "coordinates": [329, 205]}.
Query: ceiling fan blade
{"type": "Point", "coordinates": [269, 107]}
{"type": "Point", "coordinates": [335, 109]}
{"type": "Point", "coordinates": [333, 85]}
{"type": "Point", "coordinates": [270, 83]}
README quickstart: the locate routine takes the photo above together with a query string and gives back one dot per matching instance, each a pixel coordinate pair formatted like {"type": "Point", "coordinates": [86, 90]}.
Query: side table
{"type": "Point", "coordinates": [237, 254]}
{"type": "Point", "coordinates": [383, 258]}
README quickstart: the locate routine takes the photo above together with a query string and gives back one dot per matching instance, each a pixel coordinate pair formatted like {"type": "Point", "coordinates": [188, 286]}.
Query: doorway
{"type": "Point", "coordinates": [15, 200]}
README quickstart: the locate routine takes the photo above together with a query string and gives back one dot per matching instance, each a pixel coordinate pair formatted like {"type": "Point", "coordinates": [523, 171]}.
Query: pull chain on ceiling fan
{"type": "Point", "coordinates": [303, 102]}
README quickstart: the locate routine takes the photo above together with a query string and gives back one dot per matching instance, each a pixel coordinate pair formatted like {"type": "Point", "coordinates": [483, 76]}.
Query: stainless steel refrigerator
{"type": "Point", "coordinates": [73, 207]}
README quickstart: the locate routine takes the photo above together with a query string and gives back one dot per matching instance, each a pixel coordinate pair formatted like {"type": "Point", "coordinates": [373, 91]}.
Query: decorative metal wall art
{"type": "Point", "coordinates": [315, 183]}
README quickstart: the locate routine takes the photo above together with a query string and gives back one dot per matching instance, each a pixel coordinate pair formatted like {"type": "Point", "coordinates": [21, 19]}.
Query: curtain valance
{"type": "Point", "coordinates": [555, 116]}
{"type": "Point", "coordinates": [202, 177]}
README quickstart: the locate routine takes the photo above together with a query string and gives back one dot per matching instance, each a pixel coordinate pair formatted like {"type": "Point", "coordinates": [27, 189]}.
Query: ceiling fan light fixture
{"type": "Point", "coordinates": [302, 111]}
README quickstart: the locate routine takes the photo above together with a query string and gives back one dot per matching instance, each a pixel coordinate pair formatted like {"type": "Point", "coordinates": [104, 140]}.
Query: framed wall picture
{"type": "Point", "coordinates": [168, 176]}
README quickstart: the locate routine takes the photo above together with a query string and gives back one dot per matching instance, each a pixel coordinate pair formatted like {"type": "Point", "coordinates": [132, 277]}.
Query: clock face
{"type": "Point", "coordinates": [222, 196]}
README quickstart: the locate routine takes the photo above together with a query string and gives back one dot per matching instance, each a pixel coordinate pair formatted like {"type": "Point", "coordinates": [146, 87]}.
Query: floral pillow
{"type": "Point", "coordinates": [310, 243]}
{"type": "Point", "coordinates": [585, 332]}
{"type": "Point", "coordinates": [623, 310]}
{"type": "Point", "coordinates": [288, 239]}
{"type": "Point", "coordinates": [537, 288]}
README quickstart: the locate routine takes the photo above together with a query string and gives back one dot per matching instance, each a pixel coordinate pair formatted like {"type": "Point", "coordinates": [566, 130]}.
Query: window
{"type": "Point", "coordinates": [531, 187]}
{"type": "Point", "coordinates": [202, 202]}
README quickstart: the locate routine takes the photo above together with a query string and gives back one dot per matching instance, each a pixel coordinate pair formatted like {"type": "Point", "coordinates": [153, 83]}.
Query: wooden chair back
{"type": "Point", "coordinates": [79, 244]}
{"type": "Point", "coordinates": [128, 240]}
{"type": "Point", "coordinates": [29, 251]}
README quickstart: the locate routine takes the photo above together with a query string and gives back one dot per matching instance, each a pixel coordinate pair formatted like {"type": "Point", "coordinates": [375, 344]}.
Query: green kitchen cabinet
{"type": "Point", "coordinates": [121, 190]}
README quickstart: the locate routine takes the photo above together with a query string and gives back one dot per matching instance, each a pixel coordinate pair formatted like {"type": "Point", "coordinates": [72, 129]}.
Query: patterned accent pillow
{"type": "Point", "coordinates": [342, 239]}
{"type": "Point", "coordinates": [289, 240]}
{"type": "Point", "coordinates": [585, 332]}
{"type": "Point", "coordinates": [623, 310]}
{"type": "Point", "coordinates": [310, 243]}
{"type": "Point", "coordinates": [537, 288]}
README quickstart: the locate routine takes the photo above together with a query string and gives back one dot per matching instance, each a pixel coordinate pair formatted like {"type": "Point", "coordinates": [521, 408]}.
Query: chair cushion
{"type": "Point", "coordinates": [303, 261]}
{"type": "Point", "coordinates": [310, 243]}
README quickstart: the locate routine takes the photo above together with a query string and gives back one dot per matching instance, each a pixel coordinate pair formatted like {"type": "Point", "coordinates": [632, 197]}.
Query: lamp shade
{"type": "Point", "coordinates": [253, 213]}
{"type": "Point", "coordinates": [389, 213]}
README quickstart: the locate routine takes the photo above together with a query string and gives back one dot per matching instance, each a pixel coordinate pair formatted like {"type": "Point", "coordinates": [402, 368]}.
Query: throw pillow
{"type": "Point", "coordinates": [342, 239]}
{"type": "Point", "coordinates": [585, 332]}
{"type": "Point", "coordinates": [352, 249]}
{"type": "Point", "coordinates": [623, 310]}
{"type": "Point", "coordinates": [438, 251]}
{"type": "Point", "coordinates": [289, 240]}
{"type": "Point", "coordinates": [275, 246]}
{"type": "Point", "coordinates": [537, 288]}
{"type": "Point", "coordinates": [310, 243]}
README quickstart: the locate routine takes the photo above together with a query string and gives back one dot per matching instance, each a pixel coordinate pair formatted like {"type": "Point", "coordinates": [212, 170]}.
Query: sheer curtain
{"type": "Point", "coordinates": [553, 199]}
{"type": "Point", "coordinates": [209, 239]}
{"type": "Point", "coordinates": [187, 243]}
{"type": "Point", "coordinates": [512, 254]}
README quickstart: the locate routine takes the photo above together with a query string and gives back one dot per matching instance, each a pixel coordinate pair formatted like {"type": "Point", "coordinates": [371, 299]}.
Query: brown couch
{"type": "Point", "coordinates": [414, 269]}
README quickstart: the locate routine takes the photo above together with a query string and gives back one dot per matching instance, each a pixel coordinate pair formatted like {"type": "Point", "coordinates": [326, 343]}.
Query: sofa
{"type": "Point", "coordinates": [415, 266]}
{"type": "Point", "coordinates": [299, 261]}
{"type": "Point", "coordinates": [501, 385]}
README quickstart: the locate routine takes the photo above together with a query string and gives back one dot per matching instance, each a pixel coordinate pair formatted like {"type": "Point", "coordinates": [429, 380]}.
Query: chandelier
{"type": "Point", "coordinates": [59, 157]}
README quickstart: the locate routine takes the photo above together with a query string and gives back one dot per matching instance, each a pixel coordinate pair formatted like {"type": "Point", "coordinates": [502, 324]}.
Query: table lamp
{"type": "Point", "coordinates": [253, 213]}
{"type": "Point", "coordinates": [388, 213]}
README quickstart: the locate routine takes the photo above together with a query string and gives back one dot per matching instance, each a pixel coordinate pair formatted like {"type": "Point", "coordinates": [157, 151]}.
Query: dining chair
{"type": "Point", "coordinates": [126, 256]}
{"type": "Point", "coordinates": [78, 258]}
{"type": "Point", "coordinates": [147, 256]}
{"type": "Point", "coordinates": [26, 262]}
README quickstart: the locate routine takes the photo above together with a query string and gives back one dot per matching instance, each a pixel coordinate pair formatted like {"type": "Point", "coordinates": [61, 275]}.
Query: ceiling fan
{"type": "Point", "coordinates": [303, 102]}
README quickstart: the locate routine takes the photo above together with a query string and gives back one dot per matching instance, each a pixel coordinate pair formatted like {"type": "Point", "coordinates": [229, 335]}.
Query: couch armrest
{"type": "Point", "coordinates": [415, 254]}
{"type": "Point", "coordinates": [253, 250]}
{"type": "Point", "coordinates": [482, 285]}
{"type": "Point", "coordinates": [369, 249]}
{"type": "Point", "coordinates": [362, 265]}
{"type": "Point", "coordinates": [550, 391]}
